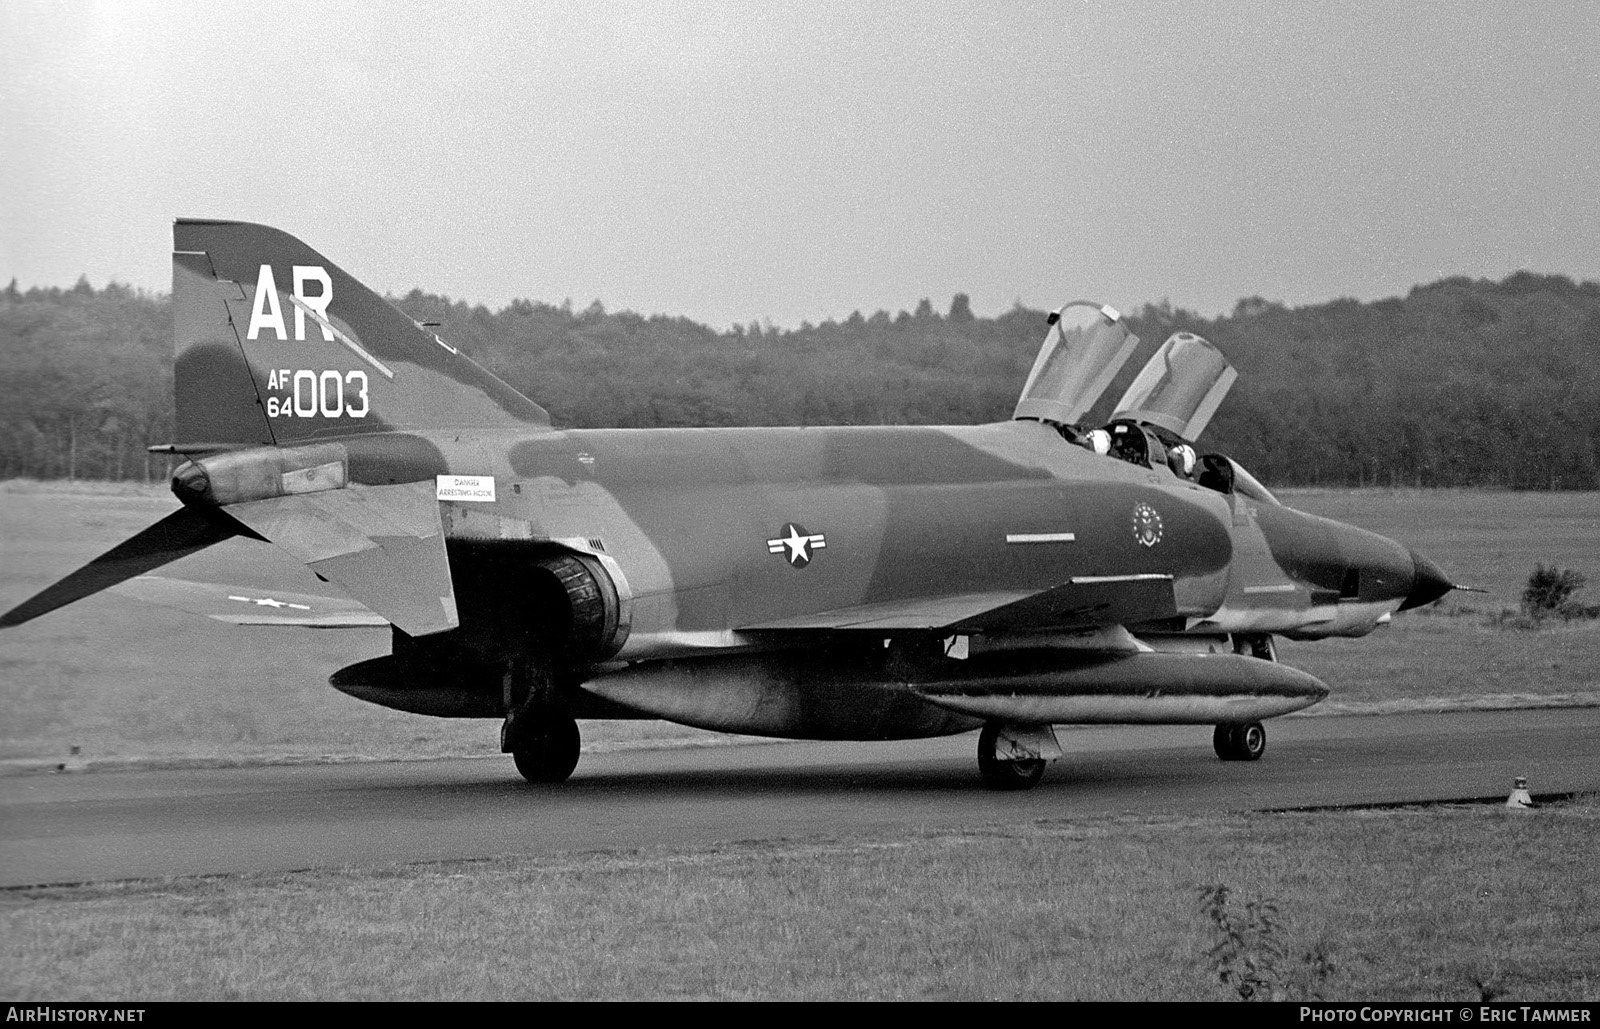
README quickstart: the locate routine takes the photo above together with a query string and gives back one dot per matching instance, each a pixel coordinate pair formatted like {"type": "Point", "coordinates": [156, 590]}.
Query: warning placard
{"type": "Point", "coordinates": [464, 487]}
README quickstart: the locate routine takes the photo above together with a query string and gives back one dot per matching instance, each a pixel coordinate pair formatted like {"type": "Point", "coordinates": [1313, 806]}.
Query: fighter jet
{"type": "Point", "coordinates": [843, 583]}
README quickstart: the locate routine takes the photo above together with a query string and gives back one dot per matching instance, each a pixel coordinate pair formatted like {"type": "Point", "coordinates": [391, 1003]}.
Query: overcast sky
{"type": "Point", "coordinates": [733, 162]}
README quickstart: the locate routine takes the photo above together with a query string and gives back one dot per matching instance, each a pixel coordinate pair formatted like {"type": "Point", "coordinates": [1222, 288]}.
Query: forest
{"type": "Point", "coordinates": [1461, 382]}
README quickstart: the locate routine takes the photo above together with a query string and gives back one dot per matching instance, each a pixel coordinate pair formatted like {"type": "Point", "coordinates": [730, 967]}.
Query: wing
{"type": "Point", "coordinates": [383, 545]}
{"type": "Point", "coordinates": [249, 605]}
{"type": "Point", "coordinates": [1083, 602]}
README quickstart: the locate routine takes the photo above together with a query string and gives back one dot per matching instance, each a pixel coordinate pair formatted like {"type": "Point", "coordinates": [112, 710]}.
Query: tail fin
{"type": "Point", "coordinates": [276, 344]}
{"type": "Point", "coordinates": [179, 534]}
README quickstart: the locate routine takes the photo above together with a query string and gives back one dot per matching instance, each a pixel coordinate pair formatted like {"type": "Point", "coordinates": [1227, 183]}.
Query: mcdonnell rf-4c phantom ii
{"type": "Point", "coordinates": [846, 583]}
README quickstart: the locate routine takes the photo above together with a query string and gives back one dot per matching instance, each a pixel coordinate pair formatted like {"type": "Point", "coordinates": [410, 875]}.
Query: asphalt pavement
{"type": "Point", "coordinates": [98, 826]}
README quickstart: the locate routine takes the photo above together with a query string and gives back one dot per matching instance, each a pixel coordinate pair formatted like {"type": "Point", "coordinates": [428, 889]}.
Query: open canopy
{"type": "Point", "coordinates": [1180, 387]}
{"type": "Point", "coordinates": [1086, 347]}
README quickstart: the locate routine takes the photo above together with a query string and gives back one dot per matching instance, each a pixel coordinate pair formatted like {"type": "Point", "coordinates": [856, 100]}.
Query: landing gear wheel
{"type": "Point", "coordinates": [998, 774]}
{"type": "Point", "coordinates": [1245, 742]}
{"type": "Point", "coordinates": [548, 751]}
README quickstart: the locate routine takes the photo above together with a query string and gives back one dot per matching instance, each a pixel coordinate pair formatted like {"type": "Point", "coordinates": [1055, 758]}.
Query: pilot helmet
{"type": "Point", "coordinates": [1181, 458]}
{"type": "Point", "coordinates": [1100, 441]}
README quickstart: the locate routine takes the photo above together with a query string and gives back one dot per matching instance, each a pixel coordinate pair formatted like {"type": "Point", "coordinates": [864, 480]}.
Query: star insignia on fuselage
{"type": "Point", "coordinates": [1147, 528]}
{"type": "Point", "coordinates": [796, 544]}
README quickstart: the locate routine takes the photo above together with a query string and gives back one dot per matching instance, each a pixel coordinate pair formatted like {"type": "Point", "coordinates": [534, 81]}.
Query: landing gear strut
{"type": "Point", "coordinates": [1240, 742]}
{"type": "Point", "coordinates": [539, 733]}
{"type": "Point", "coordinates": [999, 773]}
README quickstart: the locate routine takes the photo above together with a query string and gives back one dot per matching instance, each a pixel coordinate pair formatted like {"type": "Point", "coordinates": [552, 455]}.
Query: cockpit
{"type": "Point", "coordinates": [1126, 441]}
{"type": "Point", "coordinates": [1167, 406]}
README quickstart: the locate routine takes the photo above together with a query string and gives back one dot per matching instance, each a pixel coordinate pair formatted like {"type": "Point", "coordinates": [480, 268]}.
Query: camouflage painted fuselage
{"type": "Point", "coordinates": [693, 520]}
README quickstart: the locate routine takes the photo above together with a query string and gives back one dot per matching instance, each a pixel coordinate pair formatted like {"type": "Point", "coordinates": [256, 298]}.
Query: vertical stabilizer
{"type": "Point", "coordinates": [277, 344]}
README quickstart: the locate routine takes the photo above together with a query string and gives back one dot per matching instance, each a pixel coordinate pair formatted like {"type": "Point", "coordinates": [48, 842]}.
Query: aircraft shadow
{"type": "Point", "coordinates": [1073, 774]}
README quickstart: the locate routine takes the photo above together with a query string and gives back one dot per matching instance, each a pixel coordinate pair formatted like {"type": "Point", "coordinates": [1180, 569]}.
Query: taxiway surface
{"type": "Point", "coordinates": [132, 825]}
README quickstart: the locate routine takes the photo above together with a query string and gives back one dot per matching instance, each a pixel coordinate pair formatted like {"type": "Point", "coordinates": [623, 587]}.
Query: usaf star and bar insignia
{"type": "Point", "coordinates": [272, 602]}
{"type": "Point", "coordinates": [796, 544]}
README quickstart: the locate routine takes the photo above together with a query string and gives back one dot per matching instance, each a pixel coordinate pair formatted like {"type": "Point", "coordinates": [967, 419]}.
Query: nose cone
{"type": "Point", "coordinates": [1428, 583]}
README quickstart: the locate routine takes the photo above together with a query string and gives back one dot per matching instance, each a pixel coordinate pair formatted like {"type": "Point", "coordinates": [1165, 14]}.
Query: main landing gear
{"type": "Point", "coordinates": [1014, 757]}
{"type": "Point", "coordinates": [1240, 742]}
{"type": "Point", "coordinates": [539, 732]}
{"type": "Point", "coordinates": [547, 751]}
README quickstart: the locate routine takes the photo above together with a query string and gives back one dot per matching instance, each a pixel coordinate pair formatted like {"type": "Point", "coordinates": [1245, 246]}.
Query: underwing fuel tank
{"type": "Point", "coordinates": [458, 690]}
{"type": "Point", "coordinates": [1159, 688]}
{"type": "Point", "coordinates": [850, 698]}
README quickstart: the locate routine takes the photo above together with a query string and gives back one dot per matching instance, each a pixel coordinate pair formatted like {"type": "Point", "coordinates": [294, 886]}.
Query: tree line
{"type": "Point", "coordinates": [1461, 382]}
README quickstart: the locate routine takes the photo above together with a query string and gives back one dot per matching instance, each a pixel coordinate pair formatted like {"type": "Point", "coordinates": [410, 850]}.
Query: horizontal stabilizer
{"type": "Point", "coordinates": [180, 534]}
{"type": "Point", "coordinates": [249, 605]}
{"type": "Point", "coordinates": [383, 545]}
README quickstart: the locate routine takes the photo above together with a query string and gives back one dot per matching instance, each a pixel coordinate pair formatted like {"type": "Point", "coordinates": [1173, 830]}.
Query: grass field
{"type": "Point", "coordinates": [123, 681]}
{"type": "Point", "coordinates": [1441, 904]}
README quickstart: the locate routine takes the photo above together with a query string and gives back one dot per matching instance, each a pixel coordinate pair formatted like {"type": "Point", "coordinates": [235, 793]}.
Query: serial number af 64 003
{"type": "Point", "coordinates": [304, 393]}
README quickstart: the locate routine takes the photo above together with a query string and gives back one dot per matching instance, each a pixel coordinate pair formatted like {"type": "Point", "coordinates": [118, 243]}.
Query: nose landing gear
{"type": "Point", "coordinates": [1240, 742]}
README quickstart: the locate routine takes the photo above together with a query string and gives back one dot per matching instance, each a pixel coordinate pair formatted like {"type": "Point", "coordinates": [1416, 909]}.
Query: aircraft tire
{"type": "Point", "coordinates": [1243, 742]}
{"type": "Point", "coordinates": [548, 753]}
{"type": "Point", "coordinates": [998, 774]}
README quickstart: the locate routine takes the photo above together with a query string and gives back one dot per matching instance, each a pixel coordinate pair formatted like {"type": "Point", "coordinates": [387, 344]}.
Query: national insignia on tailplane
{"type": "Point", "coordinates": [1000, 579]}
